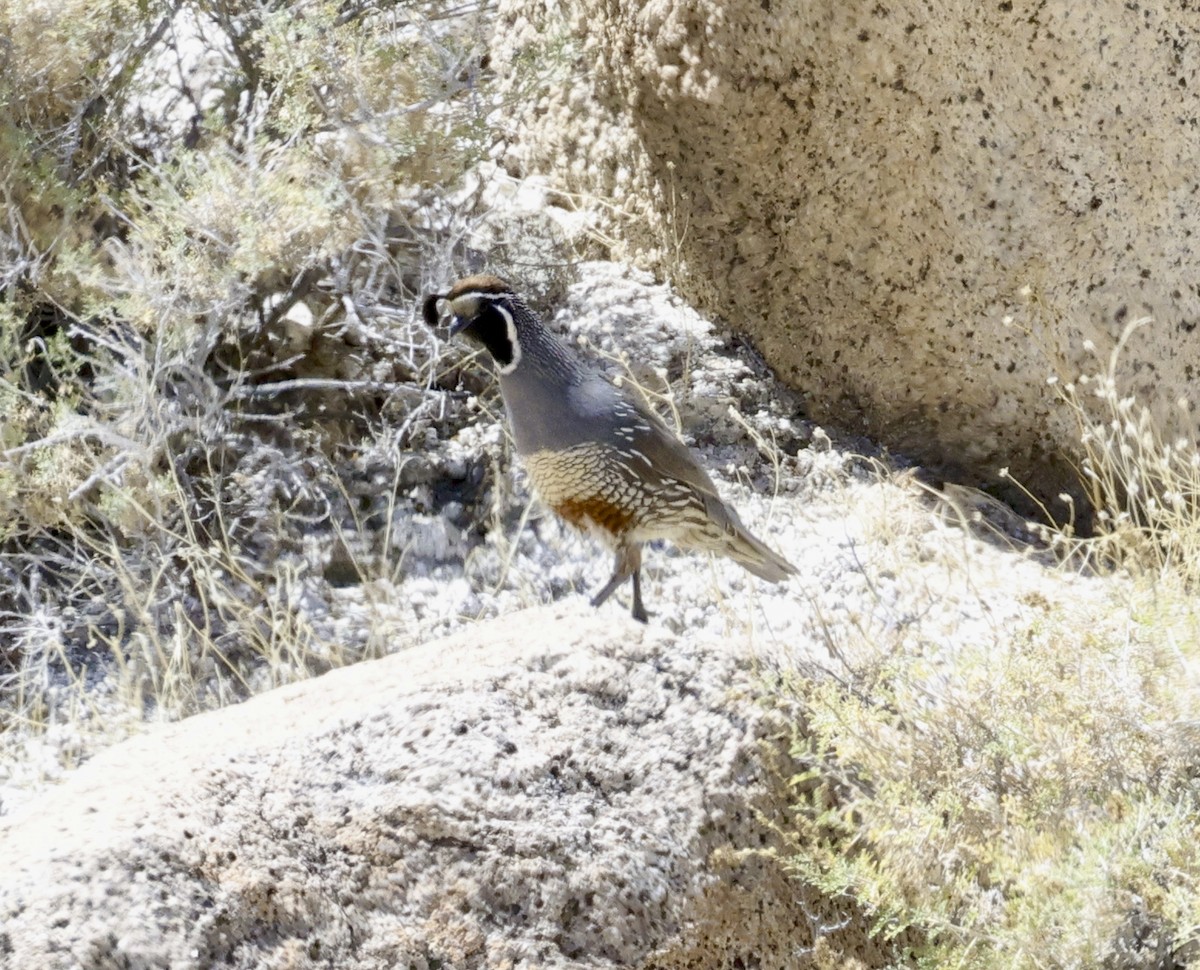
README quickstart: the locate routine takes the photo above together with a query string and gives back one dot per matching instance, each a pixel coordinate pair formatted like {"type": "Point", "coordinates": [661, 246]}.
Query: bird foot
{"type": "Point", "coordinates": [638, 611]}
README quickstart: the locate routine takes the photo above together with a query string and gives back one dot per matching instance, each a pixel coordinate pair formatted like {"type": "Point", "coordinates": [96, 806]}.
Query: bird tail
{"type": "Point", "coordinates": [756, 556]}
{"type": "Point", "coordinates": [738, 544]}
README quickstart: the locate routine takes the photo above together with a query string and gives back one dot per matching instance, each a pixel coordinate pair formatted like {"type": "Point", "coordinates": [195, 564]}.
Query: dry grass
{"type": "Point", "coordinates": [1143, 486]}
{"type": "Point", "coordinates": [217, 220]}
{"type": "Point", "coordinates": [1028, 798]}
{"type": "Point", "coordinates": [1030, 803]}
{"type": "Point", "coordinates": [202, 366]}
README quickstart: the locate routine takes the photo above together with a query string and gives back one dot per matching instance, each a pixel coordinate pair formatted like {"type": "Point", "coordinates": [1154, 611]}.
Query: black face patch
{"type": "Point", "coordinates": [490, 328]}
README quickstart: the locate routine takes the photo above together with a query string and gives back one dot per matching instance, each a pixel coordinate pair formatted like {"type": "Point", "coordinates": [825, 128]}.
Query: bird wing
{"type": "Point", "coordinates": [641, 436]}
{"type": "Point", "coordinates": [665, 455]}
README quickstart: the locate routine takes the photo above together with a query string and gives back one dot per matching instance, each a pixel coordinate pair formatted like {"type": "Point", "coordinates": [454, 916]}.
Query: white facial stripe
{"type": "Point", "coordinates": [473, 299]}
{"type": "Point", "coordinates": [511, 330]}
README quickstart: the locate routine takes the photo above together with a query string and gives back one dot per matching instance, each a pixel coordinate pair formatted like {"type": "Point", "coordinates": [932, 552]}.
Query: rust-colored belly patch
{"type": "Point", "coordinates": [594, 512]}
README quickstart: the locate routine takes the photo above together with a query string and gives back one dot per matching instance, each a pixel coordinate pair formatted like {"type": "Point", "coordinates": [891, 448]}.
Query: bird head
{"type": "Point", "coordinates": [484, 310]}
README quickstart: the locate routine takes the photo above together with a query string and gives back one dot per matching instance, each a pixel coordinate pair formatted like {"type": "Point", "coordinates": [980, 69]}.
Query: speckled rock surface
{"type": "Point", "coordinates": [573, 793]}
{"type": "Point", "coordinates": [869, 190]}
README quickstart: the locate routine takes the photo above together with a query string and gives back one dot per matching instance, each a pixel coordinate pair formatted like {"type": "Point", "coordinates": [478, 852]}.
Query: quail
{"type": "Point", "coordinates": [595, 455]}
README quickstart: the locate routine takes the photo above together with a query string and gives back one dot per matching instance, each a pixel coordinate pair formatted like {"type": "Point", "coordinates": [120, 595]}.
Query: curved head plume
{"type": "Point", "coordinates": [429, 309]}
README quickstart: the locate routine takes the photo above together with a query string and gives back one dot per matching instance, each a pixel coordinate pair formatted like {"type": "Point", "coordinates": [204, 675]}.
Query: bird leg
{"type": "Point", "coordinates": [628, 564]}
{"type": "Point", "coordinates": [639, 611]}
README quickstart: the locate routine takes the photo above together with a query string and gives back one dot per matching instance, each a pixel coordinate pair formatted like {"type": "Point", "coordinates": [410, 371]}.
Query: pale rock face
{"type": "Point", "coordinates": [556, 788]}
{"type": "Point", "coordinates": [870, 190]}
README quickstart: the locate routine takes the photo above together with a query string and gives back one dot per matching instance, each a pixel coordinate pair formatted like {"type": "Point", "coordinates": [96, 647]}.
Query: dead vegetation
{"type": "Point", "coordinates": [1028, 798]}
{"type": "Point", "coordinates": [219, 408]}
{"type": "Point", "coordinates": [218, 218]}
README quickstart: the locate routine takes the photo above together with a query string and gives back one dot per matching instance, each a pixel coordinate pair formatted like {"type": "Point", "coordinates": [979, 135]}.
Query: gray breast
{"type": "Point", "coordinates": [551, 415]}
